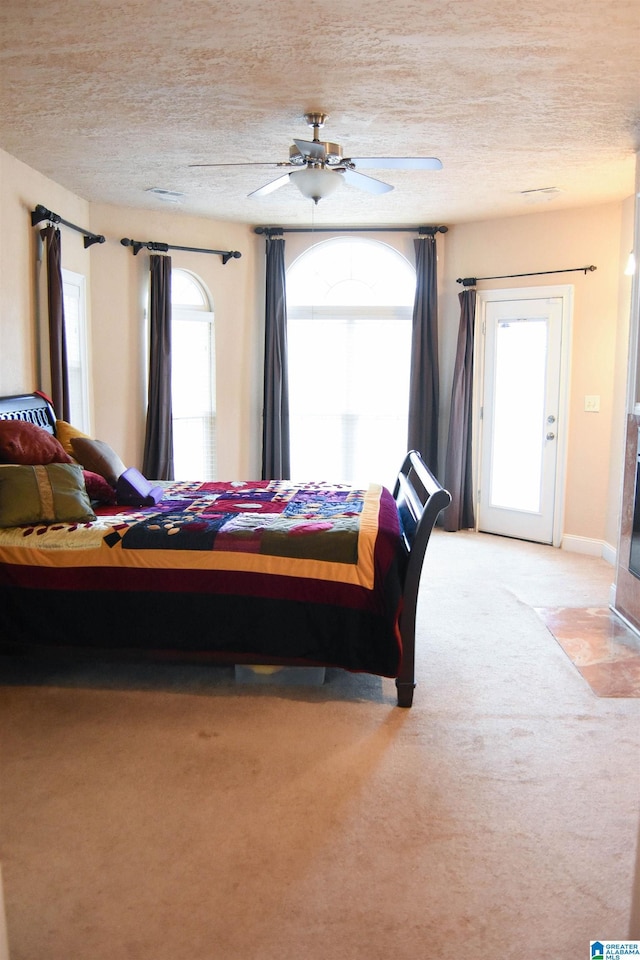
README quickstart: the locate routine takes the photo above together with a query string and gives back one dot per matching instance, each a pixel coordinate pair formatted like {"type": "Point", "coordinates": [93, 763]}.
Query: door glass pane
{"type": "Point", "coordinates": [519, 408]}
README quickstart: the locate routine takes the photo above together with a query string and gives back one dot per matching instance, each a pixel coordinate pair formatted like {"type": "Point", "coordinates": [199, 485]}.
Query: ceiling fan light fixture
{"type": "Point", "coordinates": [316, 183]}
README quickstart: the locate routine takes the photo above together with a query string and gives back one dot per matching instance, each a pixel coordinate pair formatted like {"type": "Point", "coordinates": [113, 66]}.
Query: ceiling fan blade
{"type": "Point", "coordinates": [362, 182]}
{"type": "Point", "coordinates": [249, 163]}
{"type": "Point", "coordinates": [398, 163]}
{"type": "Point", "coordinates": [270, 187]}
{"type": "Point", "coordinates": [312, 149]}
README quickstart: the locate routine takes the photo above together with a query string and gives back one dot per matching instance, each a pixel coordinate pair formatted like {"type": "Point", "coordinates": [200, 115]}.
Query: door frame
{"type": "Point", "coordinates": [483, 297]}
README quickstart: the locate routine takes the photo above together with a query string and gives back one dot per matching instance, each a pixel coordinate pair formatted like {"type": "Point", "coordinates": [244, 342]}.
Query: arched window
{"type": "Point", "coordinates": [349, 307]}
{"type": "Point", "coordinates": [193, 383]}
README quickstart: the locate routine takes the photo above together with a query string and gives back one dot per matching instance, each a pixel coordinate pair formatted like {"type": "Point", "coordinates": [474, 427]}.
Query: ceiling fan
{"type": "Point", "coordinates": [318, 167]}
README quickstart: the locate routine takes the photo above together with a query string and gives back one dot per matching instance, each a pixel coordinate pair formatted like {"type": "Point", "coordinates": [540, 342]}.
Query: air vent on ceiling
{"type": "Point", "coordinates": [540, 194]}
{"type": "Point", "coordinates": [167, 196]}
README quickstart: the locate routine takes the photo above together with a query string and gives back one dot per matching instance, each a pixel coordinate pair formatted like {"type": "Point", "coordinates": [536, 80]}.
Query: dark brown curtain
{"type": "Point", "coordinates": [424, 389]}
{"type": "Point", "coordinates": [458, 473]}
{"type": "Point", "coordinates": [57, 336]}
{"type": "Point", "coordinates": [275, 410]}
{"type": "Point", "coordinates": [158, 441]}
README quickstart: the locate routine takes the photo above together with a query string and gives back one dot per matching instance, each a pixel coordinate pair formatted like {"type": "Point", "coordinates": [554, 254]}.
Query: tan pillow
{"type": "Point", "coordinates": [65, 431]}
{"type": "Point", "coordinates": [98, 457]}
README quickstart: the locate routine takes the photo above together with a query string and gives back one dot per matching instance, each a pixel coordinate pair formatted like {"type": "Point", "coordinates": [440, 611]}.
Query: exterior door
{"type": "Point", "coordinates": [522, 412]}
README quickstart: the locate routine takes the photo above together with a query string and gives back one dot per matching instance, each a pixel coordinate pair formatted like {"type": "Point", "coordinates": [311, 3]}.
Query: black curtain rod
{"type": "Point", "coordinates": [41, 213]}
{"type": "Point", "coordinates": [138, 245]}
{"type": "Point", "coordinates": [422, 231]}
{"type": "Point", "coordinates": [471, 281]}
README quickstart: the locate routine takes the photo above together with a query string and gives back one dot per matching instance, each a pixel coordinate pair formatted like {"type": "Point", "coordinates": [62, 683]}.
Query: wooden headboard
{"type": "Point", "coordinates": [33, 407]}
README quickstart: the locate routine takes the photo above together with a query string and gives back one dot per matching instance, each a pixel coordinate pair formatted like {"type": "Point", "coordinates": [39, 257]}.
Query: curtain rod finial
{"type": "Point", "coordinates": [40, 213]}
{"type": "Point", "coordinates": [90, 238]}
{"type": "Point", "coordinates": [431, 231]}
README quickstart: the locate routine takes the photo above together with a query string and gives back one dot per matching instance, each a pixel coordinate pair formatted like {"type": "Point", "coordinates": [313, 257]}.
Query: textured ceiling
{"type": "Point", "coordinates": [110, 99]}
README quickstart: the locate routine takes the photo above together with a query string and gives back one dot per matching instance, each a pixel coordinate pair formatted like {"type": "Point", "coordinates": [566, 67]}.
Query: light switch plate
{"type": "Point", "coordinates": [592, 404]}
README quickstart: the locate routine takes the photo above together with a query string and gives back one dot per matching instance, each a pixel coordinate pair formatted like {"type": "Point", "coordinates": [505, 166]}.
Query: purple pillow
{"type": "Point", "coordinates": [134, 490]}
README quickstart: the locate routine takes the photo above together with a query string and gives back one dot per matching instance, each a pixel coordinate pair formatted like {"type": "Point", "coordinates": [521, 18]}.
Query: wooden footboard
{"type": "Point", "coordinates": [420, 499]}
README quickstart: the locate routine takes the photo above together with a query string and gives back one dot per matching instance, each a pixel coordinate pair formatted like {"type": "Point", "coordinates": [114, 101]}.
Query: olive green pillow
{"type": "Point", "coordinates": [55, 493]}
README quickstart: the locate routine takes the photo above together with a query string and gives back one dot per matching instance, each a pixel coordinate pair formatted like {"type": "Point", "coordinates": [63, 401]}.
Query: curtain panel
{"type": "Point", "coordinates": [276, 464]}
{"type": "Point", "coordinates": [424, 390]}
{"type": "Point", "coordinates": [458, 468]}
{"type": "Point", "coordinates": [158, 441]}
{"type": "Point", "coordinates": [57, 335]}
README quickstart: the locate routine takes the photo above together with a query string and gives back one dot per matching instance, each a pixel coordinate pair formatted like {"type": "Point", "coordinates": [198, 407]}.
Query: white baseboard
{"type": "Point", "coordinates": [593, 548]}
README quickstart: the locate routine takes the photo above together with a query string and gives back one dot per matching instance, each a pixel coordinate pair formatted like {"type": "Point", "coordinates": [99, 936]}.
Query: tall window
{"type": "Point", "coordinates": [75, 325]}
{"type": "Point", "coordinates": [193, 386]}
{"type": "Point", "coordinates": [349, 306]}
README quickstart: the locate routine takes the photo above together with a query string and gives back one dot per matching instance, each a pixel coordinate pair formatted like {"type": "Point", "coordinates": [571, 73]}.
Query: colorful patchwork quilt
{"type": "Point", "coordinates": [295, 572]}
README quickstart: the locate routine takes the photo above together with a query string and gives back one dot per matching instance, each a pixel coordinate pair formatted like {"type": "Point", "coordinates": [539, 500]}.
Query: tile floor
{"type": "Point", "coordinates": [600, 645]}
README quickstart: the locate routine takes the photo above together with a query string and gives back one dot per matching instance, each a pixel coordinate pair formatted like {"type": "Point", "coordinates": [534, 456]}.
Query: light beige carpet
{"type": "Point", "coordinates": [164, 813]}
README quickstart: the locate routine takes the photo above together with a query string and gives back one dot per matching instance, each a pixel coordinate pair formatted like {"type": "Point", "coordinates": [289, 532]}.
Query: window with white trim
{"type": "Point", "coordinates": [75, 328]}
{"type": "Point", "coordinates": [193, 385]}
{"type": "Point", "coordinates": [349, 308]}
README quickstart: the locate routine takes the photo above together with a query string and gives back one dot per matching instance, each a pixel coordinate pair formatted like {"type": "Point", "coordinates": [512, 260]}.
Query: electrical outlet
{"type": "Point", "coordinates": [592, 404]}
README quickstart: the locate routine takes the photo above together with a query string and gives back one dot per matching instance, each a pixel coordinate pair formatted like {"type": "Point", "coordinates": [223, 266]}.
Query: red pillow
{"type": "Point", "coordinates": [25, 443]}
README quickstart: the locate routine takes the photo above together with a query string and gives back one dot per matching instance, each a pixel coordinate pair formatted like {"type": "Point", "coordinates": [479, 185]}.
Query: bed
{"type": "Point", "coordinates": [262, 573]}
